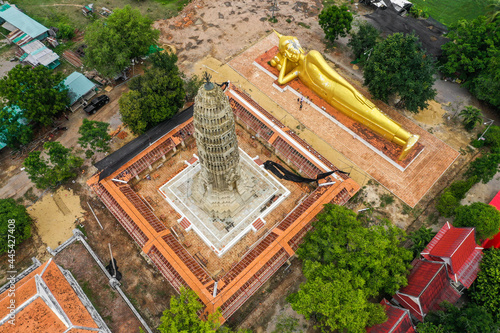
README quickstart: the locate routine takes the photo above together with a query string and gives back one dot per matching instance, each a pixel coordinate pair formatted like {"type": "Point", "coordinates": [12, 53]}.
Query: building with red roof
{"type": "Point", "coordinates": [398, 320]}
{"type": "Point", "coordinates": [495, 241]}
{"type": "Point", "coordinates": [47, 300]}
{"type": "Point", "coordinates": [457, 248]}
{"type": "Point", "coordinates": [428, 286]}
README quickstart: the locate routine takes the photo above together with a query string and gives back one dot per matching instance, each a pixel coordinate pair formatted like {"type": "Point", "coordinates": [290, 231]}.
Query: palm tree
{"type": "Point", "coordinates": [471, 117]}
{"type": "Point", "coordinates": [493, 11]}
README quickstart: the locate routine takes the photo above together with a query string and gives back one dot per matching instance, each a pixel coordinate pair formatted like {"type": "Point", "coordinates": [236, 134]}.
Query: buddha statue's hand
{"type": "Point", "coordinates": [276, 62]}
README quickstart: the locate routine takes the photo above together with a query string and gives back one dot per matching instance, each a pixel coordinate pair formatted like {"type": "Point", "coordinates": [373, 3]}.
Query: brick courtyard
{"type": "Point", "coordinates": [409, 185]}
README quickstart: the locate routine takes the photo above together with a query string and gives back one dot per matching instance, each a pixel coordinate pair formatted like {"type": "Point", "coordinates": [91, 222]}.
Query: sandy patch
{"type": "Point", "coordinates": [433, 115]}
{"type": "Point", "coordinates": [56, 216]}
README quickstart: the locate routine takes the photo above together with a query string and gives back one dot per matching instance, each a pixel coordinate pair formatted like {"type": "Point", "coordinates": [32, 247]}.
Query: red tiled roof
{"type": "Point", "coordinates": [34, 300]}
{"type": "Point", "coordinates": [456, 247]}
{"type": "Point", "coordinates": [428, 286]}
{"type": "Point", "coordinates": [398, 320]}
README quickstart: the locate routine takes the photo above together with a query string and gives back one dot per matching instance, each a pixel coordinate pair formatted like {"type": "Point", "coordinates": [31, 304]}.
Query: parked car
{"type": "Point", "coordinates": [94, 105]}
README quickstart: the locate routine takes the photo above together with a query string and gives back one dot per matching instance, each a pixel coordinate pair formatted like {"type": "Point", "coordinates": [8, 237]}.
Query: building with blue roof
{"type": "Point", "coordinates": [80, 89]}
{"type": "Point", "coordinates": [14, 17]}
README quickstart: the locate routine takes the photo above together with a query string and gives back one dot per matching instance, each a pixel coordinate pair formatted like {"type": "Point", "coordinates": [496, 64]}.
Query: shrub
{"type": "Point", "coordinates": [460, 188]}
{"type": "Point", "coordinates": [12, 234]}
{"type": "Point", "coordinates": [420, 238]}
{"type": "Point", "coordinates": [447, 204]}
{"type": "Point", "coordinates": [485, 167]}
{"type": "Point", "coordinates": [492, 137]}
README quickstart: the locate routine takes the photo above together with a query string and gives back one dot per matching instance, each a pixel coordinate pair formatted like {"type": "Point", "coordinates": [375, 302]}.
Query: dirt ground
{"type": "Point", "coordinates": [112, 308]}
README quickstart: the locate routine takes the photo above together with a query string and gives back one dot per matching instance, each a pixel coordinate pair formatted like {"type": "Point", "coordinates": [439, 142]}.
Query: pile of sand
{"type": "Point", "coordinates": [56, 215]}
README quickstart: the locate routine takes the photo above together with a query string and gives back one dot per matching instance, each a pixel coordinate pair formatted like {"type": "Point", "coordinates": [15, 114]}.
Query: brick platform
{"type": "Point", "coordinates": [409, 185]}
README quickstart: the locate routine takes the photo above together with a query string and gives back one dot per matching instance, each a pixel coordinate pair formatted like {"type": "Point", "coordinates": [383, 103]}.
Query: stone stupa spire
{"type": "Point", "coordinates": [218, 187]}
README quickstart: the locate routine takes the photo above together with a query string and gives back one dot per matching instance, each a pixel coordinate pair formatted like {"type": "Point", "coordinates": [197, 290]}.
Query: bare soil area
{"type": "Point", "coordinates": [112, 308]}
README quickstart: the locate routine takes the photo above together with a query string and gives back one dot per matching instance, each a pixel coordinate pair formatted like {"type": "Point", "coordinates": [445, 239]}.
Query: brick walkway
{"type": "Point", "coordinates": [409, 185]}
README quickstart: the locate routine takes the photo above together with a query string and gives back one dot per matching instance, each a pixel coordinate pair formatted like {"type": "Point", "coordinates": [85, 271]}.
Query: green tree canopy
{"type": "Point", "coordinates": [471, 319]}
{"type": "Point", "coordinates": [11, 211]}
{"type": "Point", "coordinates": [399, 65]}
{"type": "Point", "coordinates": [336, 298]}
{"type": "Point", "coordinates": [483, 217]}
{"type": "Point", "coordinates": [94, 136]}
{"type": "Point", "coordinates": [37, 91]}
{"type": "Point", "coordinates": [113, 42]}
{"type": "Point", "coordinates": [345, 264]}
{"type": "Point", "coordinates": [484, 167]}
{"type": "Point", "coordinates": [335, 21]}
{"type": "Point", "coordinates": [473, 53]}
{"type": "Point", "coordinates": [363, 41]}
{"type": "Point", "coordinates": [470, 46]}
{"type": "Point", "coordinates": [182, 316]}
{"type": "Point", "coordinates": [155, 96]}
{"type": "Point", "coordinates": [485, 290]}
{"type": "Point", "coordinates": [59, 167]}
{"type": "Point", "coordinates": [420, 238]}
{"type": "Point", "coordinates": [14, 128]}
{"type": "Point", "coordinates": [340, 238]}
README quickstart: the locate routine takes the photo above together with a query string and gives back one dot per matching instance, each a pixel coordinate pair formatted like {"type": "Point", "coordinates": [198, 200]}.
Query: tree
{"type": "Point", "coordinates": [336, 298]}
{"type": "Point", "coordinates": [37, 91]}
{"type": "Point", "coordinates": [471, 117]}
{"type": "Point", "coordinates": [15, 224]}
{"type": "Point", "coordinates": [182, 315]}
{"type": "Point", "coordinates": [447, 203]}
{"type": "Point", "coordinates": [14, 129]}
{"type": "Point", "coordinates": [113, 42]}
{"type": "Point", "coordinates": [485, 290]}
{"type": "Point", "coordinates": [154, 97]}
{"type": "Point", "coordinates": [94, 136]}
{"type": "Point", "coordinates": [363, 41]}
{"type": "Point", "coordinates": [483, 217]}
{"type": "Point", "coordinates": [420, 238]}
{"type": "Point", "coordinates": [399, 65]}
{"type": "Point", "coordinates": [340, 238]}
{"type": "Point", "coordinates": [345, 264]}
{"type": "Point", "coordinates": [468, 51]}
{"type": "Point", "coordinates": [485, 167]}
{"type": "Point", "coordinates": [487, 83]}
{"type": "Point", "coordinates": [191, 86]}
{"type": "Point", "coordinates": [335, 21]}
{"type": "Point", "coordinates": [492, 138]}
{"type": "Point", "coordinates": [471, 319]}
{"type": "Point", "coordinates": [493, 11]}
{"type": "Point", "coordinates": [59, 167]}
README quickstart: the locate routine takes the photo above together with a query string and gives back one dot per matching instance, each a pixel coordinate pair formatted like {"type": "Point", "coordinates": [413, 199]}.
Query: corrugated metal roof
{"type": "Point", "coordinates": [22, 21]}
{"type": "Point", "coordinates": [39, 54]}
{"type": "Point", "coordinates": [78, 85]}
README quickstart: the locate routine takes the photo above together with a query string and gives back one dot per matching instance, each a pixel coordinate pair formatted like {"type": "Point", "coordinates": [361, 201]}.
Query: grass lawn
{"type": "Point", "coordinates": [450, 11]}
{"type": "Point", "coordinates": [50, 12]}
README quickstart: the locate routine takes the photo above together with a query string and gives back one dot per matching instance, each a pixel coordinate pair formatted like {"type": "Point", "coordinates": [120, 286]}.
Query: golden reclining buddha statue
{"type": "Point", "coordinates": [317, 75]}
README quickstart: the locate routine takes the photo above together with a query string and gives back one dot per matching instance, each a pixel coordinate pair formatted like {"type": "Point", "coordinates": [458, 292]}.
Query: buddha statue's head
{"type": "Point", "coordinates": [289, 47]}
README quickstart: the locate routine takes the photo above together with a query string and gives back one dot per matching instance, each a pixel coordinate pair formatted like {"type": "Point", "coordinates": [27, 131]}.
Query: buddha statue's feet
{"type": "Point", "coordinates": [409, 146]}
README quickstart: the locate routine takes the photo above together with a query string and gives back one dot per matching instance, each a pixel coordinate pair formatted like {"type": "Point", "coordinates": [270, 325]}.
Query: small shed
{"type": "Point", "coordinates": [428, 286]}
{"type": "Point", "coordinates": [80, 89]}
{"type": "Point", "coordinates": [30, 28]}
{"type": "Point", "coordinates": [38, 54]}
{"type": "Point", "coordinates": [398, 320]}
